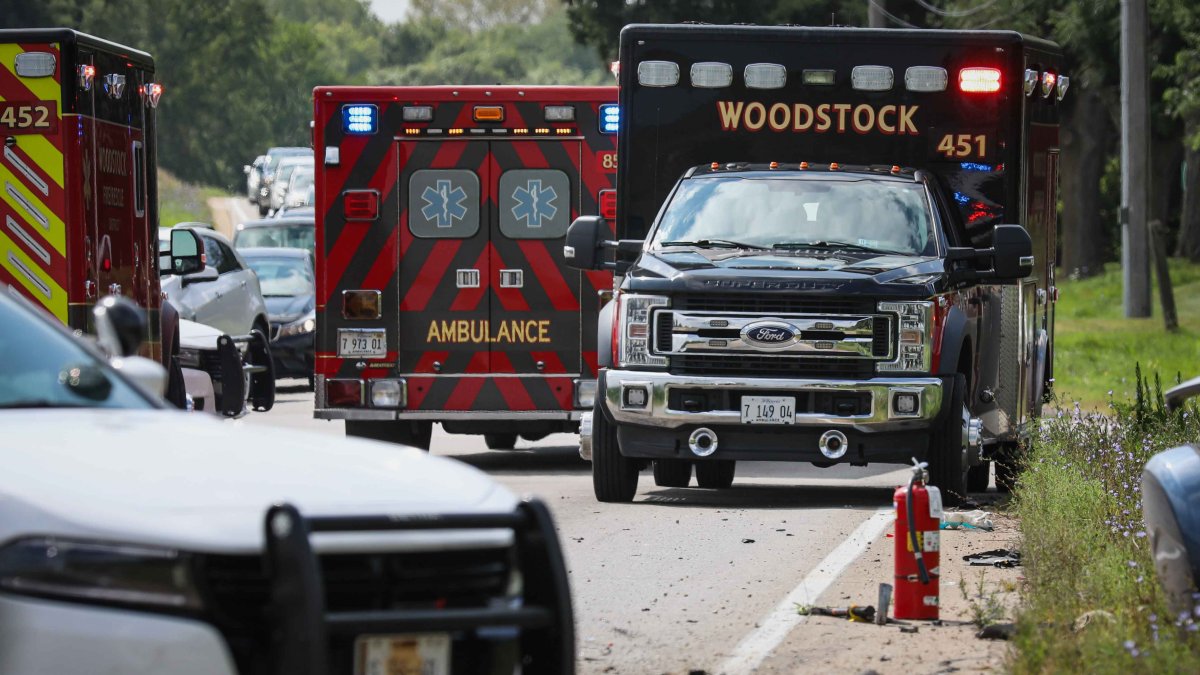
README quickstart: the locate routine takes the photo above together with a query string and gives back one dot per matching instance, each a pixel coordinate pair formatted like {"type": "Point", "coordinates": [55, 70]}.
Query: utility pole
{"type": "Point", "coordinates": [875, 18]}
{"type": "Point", "coordinates": [1135, 156]}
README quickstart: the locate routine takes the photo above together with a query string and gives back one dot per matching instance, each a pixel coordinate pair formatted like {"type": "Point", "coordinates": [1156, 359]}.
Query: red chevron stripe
{"type": "Point", "coordinates": [57, 197]}
{"type": "Point", "coordinates": [339, 258]}
{"type": "Point", "coordinates": [554, 365]}
{"type": "Point", "coordinates": [516, 397]}
{"type": "Point", "coordinates": [417, 297]}
{"type": "Point", "coordinates": [530, 155]}
{"type": "Point", "coordinates": [13, 89]}
{"type": "Point", "coordinates": [464, 394]}
{"type": "Point", "coordinates": [549, 275]}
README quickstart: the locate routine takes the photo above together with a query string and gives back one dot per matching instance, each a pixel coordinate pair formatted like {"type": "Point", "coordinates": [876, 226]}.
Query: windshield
{"type": "Point", "coordinates": [273, 159]}
{"type": "Point", "coordinates": [782, 213]}
{"type": "Point", "coordinates": [277, 236]}
{"type": "Point", "coordinates": [282, 276]}
{"type": "Point", "coordinates": [42, 367]}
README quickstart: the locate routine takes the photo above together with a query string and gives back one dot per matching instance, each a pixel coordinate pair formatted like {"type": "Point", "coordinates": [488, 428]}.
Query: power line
{"type": "Point", "coordinates": [891, 16]}
{"type": "Point", "coordinates": [957, 14]}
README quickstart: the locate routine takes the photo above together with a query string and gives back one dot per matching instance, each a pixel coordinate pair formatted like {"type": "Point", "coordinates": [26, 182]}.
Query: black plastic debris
{"type": "Point", "coordinates": [1000, 557]}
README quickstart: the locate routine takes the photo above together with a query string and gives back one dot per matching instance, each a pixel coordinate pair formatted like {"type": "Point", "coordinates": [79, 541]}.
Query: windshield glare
{"type": "Point", "coordinates": [45, 368]}
{"type": "Point", "coordinates": [286, 236]}
{"type": "Point", "coordinates": [283, 276]}
{"type": "Point", "coordinates": [880, 215]}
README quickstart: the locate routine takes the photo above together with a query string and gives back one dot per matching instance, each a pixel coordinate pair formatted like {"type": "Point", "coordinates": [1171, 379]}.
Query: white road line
{"type": "Point", "coordinates": [774, 627]}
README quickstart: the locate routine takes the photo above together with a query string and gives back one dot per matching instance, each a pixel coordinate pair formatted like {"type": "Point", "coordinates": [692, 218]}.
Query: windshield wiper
{"type": "Point", "coordinates": [842, 245]}
{"type": "Point", "coordinates": [713, 243]}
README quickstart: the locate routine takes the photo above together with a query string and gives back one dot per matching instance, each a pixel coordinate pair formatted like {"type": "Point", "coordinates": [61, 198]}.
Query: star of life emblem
{"type": "Point", "coordinates": [534, 203]}
{"type": "Point", "coordinates": [444, 203]}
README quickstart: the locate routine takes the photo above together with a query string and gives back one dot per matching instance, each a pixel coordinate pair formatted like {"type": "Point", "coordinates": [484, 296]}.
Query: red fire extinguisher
{"type": "Point", "coordinates": [918, 530]}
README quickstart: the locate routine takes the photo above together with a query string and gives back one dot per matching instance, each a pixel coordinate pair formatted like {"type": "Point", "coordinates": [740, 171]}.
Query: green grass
{"type": "Point", "coordinates": [1085, 547]}
{"type": "Point", "coordinates": [1095, 347]}
{"type": "Point", "coordinates": [180, 202]}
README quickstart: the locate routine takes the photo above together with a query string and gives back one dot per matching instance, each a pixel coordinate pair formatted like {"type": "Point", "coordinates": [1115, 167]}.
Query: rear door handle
{"type": "Point", "coordinates": [512, 278]}
{"type": "Point", "coordinates": [467, 278]}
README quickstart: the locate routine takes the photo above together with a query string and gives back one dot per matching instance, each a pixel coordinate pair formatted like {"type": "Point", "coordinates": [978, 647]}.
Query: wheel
{"type": "Point", "coordinates": [1009, 463]}
{"type": "Point", "coordinates": [674, 473]}
{"type": "Point", "coordinates": [715, 474]}
{"type": "Point", "coordinates": [614, 476]}
{"type": "Point", "coordinates": [948, 448]}
{"type": "Point", "coordinates": [500, 441]}
{"type": "Point", "coordinates": [416, 434]}
{"type": "Point", "coordinates": [978, 477]}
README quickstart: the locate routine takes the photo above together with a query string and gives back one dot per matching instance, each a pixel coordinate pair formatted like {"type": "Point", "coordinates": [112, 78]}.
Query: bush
{"type": "Point", "coordinates": [1091, 601]}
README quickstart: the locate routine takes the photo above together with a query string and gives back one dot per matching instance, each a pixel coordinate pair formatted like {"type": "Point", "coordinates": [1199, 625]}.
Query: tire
{"type": "Point", "coordinates": [947, 451]}
{"type": "Point", "coordinates": [403, 432]}
{"type": "Point", "coordinates": [500, 441]}
{"type": "Point", "coordinates": [979, 477]}
{"type": "Point", "coordinates": [614, 476]}
{"type": "Point", "coordinates": [715, 474]}
{"type": "Point", "coordinates": [675, 473]}
{"type": "Point", "coordinates": [1009, 463]}
{"type": "Point", "coordinates": [263, 209]}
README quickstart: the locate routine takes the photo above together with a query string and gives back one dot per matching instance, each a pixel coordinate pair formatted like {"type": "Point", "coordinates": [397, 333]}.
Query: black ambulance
{"type": "Point", "coordinates": [836, 246]}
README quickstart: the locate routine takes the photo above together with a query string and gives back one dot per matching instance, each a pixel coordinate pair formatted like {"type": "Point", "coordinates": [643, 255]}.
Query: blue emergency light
{"type": "Point", "coordinates": [610, 118]}
{"type": "Point", "coordinates": [360, 119]}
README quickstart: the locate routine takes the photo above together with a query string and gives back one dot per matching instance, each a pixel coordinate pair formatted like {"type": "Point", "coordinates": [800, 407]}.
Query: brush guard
{"type": "Point", "coordinates": [302, 626]}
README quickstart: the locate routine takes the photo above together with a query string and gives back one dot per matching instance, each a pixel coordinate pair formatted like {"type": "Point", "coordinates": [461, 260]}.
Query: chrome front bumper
{"type": "Point", "coordinates": [656, 413]}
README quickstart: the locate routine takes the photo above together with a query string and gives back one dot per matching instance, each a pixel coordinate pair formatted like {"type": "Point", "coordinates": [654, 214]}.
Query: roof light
{"type": "Point", "coordinates": [1031, 80]}
{"type": "Point", "coordinates": [711, 75]}
{"type": "Point", "coordinates": [872, 78]}
{"type": "Point", "coordinates": [765, 76]}
{"type": "Point", "coordinates": [833, 166]}
{"type": "Point", "coordinates": [823, 78]}
{"type": "Point", "coordinates": [559, 113]}
{"type": "Point", "coordinates": [34, 64]}
{"type": "Point", "coordinates": [895, 169]}
{"type": "Point", "coordinates": [417, 113]}
{"type": "Point", "coordinates": [1049, 79]}
{"type": "Point", "coordinates": [803, 165]}
{"type": "Point", "coordinates": [925, 78]}
{"type": "Point", "coordinates": [564, 132]}
{"type": "Point", "coordinates": [1063, 83]}
{"type": "Point", "coordinates": [658, 73]}
{"type": "Point", "coordinates": [715, 165]}
{"type": "Point", "coordinates": [541, 131]}
{"type": "Point", "coordinates": [411, 131]}
{"type": "Point", "coordinates": [608, 204]}
{"type": "Point", "coordinates": [610, 118]}
{"type": "Point", "coordinates": [489, 113]}
{"type": "Point", "coordinates": [455, 132]}
{"type": "Point", "coordinates": [979, 80]}
{"type": "Point", "coordinates": [774, 165]}
{"type": "Point", "coordinates": [521, 131]}
{"type": "Point", "coordinates": [87, 73]}
{"type": "Point", "coordinates": [114, 85]}
{"type": "Point", "coordinates": [151, 92]}
{"type": "Point", "coordinates": [360, 119]}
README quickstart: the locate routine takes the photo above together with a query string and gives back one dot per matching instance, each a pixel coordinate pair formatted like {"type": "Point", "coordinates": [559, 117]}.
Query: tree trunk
{"type": "Point", "coordinates": [1086, 137]}
{"type": "Point", "coordinates": [1189, 227]}
{"type": "Point", "coordinates": [1166, 157]}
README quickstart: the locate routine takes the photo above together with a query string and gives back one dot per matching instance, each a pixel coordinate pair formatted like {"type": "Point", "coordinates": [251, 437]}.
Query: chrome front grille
{"type": "Point", "coordinates": [684, 333]}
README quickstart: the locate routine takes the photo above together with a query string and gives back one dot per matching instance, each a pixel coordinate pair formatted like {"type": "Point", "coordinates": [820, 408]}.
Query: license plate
{"type": "Point", "coordinates": [362, 343]}
{"type": "Point", "coordinates": [768, 410]}
{"type": "Point", "coordinates": [427, 654]}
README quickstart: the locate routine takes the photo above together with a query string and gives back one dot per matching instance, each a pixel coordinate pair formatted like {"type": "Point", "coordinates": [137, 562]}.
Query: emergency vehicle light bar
{"type": "Point", "coordinates": [765, 76]}
{"type": "Point", "coordinates": [488, 113]}
{"type": "Point", "coordinates": [872, 78]}
{"type": "Point", "coordinates": [979, 80]}
{"type": "Point", "coordinates": [610, 118]}
{"type": "Point", "coordinates": [360, 119]}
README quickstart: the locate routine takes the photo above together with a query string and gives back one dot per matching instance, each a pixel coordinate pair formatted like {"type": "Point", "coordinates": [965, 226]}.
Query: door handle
{"type": "Point", "coordinates": [512, 278]}
{"type": "Point", "coordinates": [467, 278]}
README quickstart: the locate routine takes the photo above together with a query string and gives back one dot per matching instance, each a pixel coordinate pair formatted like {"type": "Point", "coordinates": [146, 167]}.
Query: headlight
{"type": "Point", "coordinates": [634, 330]}
{"type": "Point", "coordinates": [914, 349]}
{"type": "Point", "coordinates": [305, 324]}
{"type": "Point", "coordinates": [102, 573]}
{"type": "Point", "coordinates": [189, 358]}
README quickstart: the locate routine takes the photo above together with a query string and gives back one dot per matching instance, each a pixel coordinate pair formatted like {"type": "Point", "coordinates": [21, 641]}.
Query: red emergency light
{"type": "Point", "coordinates": [360, 204]}
{"type": "Point", "coordinates": [608, 204]}
{"type": "Point", "coordinates": [979, 80]}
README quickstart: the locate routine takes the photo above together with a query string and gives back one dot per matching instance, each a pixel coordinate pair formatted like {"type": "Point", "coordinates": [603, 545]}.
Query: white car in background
{"type": "Point", "coordinates": [283, 176]}
{"type": "Point", "coordinates": [138, 539]}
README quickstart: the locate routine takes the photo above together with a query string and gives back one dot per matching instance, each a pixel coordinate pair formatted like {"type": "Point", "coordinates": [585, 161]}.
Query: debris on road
{"type": "Point", "coordinates": [967, 520]}
{"type": "Point", "coordinates": [1000, 557]}
{"type": "Point", "coordinates": [863, 613]}
{"type": "Point", "coordinates": [997, 631]}
{"type": "Point", "coordinates": [747, 541]}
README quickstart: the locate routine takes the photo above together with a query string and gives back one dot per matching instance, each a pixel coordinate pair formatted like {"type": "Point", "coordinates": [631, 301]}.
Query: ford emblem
{"type": "Point", "coordinates": [769, 334]}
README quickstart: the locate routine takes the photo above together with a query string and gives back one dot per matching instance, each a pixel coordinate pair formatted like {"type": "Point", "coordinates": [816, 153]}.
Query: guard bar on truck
{"type": "Point", "coordinates": [303, 626]}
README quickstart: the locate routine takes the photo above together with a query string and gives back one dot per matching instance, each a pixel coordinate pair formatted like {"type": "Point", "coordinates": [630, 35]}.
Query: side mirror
{"type": "Point", "coordinates": [206, 274]}
{"type": "Point", "coordinates": [187, 252]}
{"type": "Point", "coordinates": [1012, 252]}
{"type": "Point", "coordinates": [584, 242]}
{"type": "Point", "coordinates": [120, 325]}
{"type": "Point", "coordinates": [1011, 257]}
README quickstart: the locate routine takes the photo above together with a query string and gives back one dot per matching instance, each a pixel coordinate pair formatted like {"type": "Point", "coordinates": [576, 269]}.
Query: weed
{"type": "Point", "coordinates": [985, 605]}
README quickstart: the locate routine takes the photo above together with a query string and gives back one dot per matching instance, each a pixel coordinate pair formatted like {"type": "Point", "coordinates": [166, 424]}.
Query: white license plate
{"type": "Point", "coordinates": [362, 343]}
{"type": "Point", "coordinates": [427, 654]}
{"type": "Point", "coordinates": [768, 410]}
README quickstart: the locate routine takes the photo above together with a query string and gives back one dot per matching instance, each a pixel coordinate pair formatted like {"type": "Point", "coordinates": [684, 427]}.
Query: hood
{"type": "Point", "coordinates": [190, 482]}
{"type": "Point", "coordinates": [194, 335]}
{"type": "Point", "coordinates": [288, 308]}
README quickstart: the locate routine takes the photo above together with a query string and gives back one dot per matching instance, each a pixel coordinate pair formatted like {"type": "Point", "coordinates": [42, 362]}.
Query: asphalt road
{"type": "Point", "coordinates": [681, 580]}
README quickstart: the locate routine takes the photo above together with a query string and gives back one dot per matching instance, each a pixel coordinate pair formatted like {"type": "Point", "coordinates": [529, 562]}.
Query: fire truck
{"type": "Point", "coordinates": [442, 290]}
{"type": "Point", "coordinates": [79, 201]}
{"type": "Point", "coordinates": [834, 245]}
